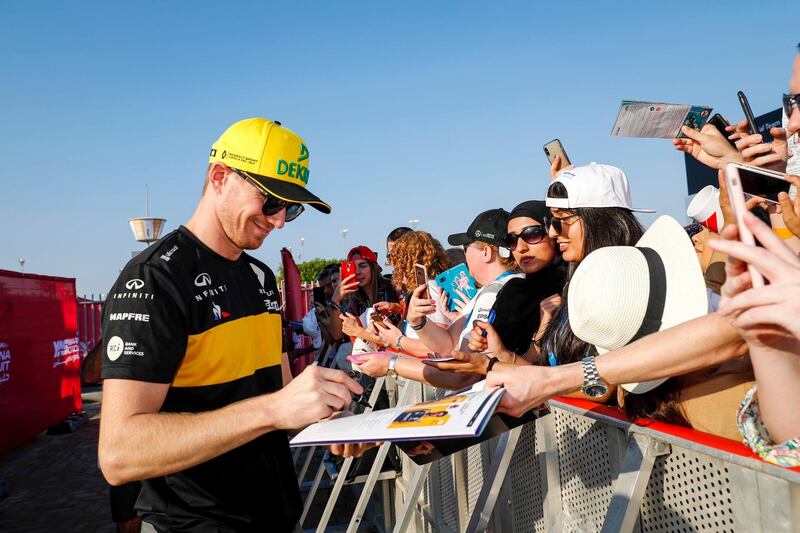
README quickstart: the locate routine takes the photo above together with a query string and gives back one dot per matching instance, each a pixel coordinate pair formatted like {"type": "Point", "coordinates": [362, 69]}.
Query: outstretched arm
{"type": "Point", "coordinates": [139, 442]}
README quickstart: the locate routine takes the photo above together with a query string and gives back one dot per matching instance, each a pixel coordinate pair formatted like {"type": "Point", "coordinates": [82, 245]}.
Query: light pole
{"type": "Point", "coordinates": [302, 249]}
{"type": "Point", "coordinates": [414, 222]}
{"type": "Point", "coordinates": [22, 264]}
{"type": "Point", "coordinates": [344, 239]}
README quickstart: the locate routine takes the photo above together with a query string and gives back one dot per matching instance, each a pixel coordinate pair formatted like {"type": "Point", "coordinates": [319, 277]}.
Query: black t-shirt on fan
{"type": "Point", "coordinates": [181, 314]}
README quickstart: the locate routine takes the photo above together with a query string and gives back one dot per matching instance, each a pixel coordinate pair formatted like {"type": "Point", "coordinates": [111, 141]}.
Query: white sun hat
{"type": "Point", "coordinates": [619, 294]}
{"type": "Point", "coordinates": [594, 185]}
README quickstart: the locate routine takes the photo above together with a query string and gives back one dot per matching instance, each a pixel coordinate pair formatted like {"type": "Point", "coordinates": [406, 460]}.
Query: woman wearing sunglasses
{"type": "Point", "coordinates": [524, 306]}
{"type": "Point", "coordinates": [589, 208]}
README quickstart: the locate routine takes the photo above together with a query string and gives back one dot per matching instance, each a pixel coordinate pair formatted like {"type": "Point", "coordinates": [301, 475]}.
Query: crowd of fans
{"type": "Point", "coordinates": [572, 288]}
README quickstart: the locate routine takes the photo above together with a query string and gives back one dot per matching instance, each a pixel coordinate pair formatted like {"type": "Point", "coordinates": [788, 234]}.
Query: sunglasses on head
{"type": "Point", "coordinates": [693, 229]}
{"type": "Point", "coordinates": [555, 222]}
{"type": "Point", "coordinates": [272, 204]}
{"type": "Point", "coordinates": [530, 234]}
{"type": "Point", "coordinates": [790, 101]}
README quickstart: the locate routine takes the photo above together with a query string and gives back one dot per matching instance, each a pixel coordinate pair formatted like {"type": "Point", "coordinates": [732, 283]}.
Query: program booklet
{"type": "Point", "coordinates": [657, 120]}
{"type": "Point", "coordinates": [422, 429]}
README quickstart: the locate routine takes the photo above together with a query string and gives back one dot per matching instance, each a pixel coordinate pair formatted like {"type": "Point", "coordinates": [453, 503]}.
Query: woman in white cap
{"type": "Point", "coordinates": [590, 208]}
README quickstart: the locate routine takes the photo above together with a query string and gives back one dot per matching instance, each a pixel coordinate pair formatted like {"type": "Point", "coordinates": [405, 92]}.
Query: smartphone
{"type": "Point", "coordinates": [318, 296]}
{"type": "Point", "coordinates": [454, 280]}
{"type": "Point", "coordinates": [348, 268]}
{"type": "Point", "coordinates": [736, 195]}
{"type": "Point", "coordinates": [421, 275]}
{"type": "Point", "coordinates": [377, 319]}
{"type": "Point", "coordinates": [439, 358]}
{"type": "Point", "coordinates": [554, 148]}
{"type": "Point", "coordinates": [763, 183]}
{"type": "Point", "coordinates": [748, 113]}
{"type": "Point", "coordinates": [719, 122]}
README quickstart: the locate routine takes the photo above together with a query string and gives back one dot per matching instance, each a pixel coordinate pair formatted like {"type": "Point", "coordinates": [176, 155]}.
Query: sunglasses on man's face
{"type": "Point", "coordinates": [272, 204]}
{"type": "Point", "coordinates": [530, 234]}
{"type": "Point", "coordinates": [790, 103]}
{"type": "Point", "coordinates": [555, 222]}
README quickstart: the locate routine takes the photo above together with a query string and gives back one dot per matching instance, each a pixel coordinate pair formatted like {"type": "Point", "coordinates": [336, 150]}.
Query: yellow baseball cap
{"type": "Point", "coordinates": [273, 156]}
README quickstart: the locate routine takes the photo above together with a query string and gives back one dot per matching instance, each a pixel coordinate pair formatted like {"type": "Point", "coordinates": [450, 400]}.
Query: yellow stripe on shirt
{"type": "Point", "coordinates": [230, 351]}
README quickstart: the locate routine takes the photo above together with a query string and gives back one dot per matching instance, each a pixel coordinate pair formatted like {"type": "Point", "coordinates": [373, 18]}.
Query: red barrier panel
{"type": "Point", "coordinates": [39, 355]}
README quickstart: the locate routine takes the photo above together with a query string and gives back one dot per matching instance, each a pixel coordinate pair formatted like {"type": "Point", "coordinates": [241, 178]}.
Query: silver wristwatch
{"type": "Point", "coordinates": [391, 371]}
{"type": "Point", "coordinates": [593, 384]}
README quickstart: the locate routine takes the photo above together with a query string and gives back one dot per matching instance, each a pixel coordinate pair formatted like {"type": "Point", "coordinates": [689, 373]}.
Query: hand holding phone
{"type": "Point", "coordinates": [555, 148]}
{"type": "Point", "coordinates": [347, 268]}
{"type": "Point", "coordinates": [748, 113]}
{"type": "Point", "coordinates": [719, 122]}
{"type": "Point", "coordinates": [736, 195]}
{"type": "Point", "coordinates": [421, 277]}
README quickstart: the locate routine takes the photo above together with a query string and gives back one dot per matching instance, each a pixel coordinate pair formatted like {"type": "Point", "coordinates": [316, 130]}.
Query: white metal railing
{"type": "Point", "coordinates": [577, 470]}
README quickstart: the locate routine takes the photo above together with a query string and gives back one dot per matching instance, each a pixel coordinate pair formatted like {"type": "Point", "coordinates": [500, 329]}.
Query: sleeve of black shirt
{"type": "Point", "coordinates": [145, 330]}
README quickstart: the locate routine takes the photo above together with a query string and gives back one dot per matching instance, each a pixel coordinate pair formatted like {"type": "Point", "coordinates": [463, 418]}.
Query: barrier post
{"type": "Point", "coordinates": [494, 480]}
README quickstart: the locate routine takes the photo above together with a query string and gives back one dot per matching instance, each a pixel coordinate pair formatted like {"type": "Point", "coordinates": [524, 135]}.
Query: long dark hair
{"type": "Point", "coordinates": [602, 226]}
{"type": "Point", "coordinates": [661, 404]}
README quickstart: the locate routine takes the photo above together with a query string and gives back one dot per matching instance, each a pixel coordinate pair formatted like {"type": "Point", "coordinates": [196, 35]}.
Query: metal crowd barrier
{"type": "Point", "coordinates": [585, 468]}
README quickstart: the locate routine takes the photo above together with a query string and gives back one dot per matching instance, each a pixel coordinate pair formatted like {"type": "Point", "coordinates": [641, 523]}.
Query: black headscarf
{"type": "Point", "coordinates": [535, 209]}
{"type": "Point", "coordinates": [517, 306]}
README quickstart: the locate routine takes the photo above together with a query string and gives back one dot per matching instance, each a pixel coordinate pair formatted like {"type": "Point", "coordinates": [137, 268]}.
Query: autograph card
{"type": "Point", "coordinates": [657, 120]}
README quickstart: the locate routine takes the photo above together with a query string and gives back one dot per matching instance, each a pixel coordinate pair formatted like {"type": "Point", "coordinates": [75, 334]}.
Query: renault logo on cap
{"type": "Point", "coordinates": [224, 154]}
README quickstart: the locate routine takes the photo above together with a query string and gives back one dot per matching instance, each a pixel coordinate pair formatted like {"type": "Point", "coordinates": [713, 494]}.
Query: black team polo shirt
{"type": "Point", "coordinates": [182, 314]}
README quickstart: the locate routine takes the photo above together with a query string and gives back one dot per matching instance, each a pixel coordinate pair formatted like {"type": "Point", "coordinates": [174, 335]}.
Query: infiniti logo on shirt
{"type": "Point", "coordinates": [134, 284]}
{"type": "Point", "coordinates": [202, 280]}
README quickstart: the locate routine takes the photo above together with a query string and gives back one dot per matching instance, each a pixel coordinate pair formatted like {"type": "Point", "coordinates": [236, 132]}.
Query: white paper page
{"type": "Point", "coordinates": [459, 415]}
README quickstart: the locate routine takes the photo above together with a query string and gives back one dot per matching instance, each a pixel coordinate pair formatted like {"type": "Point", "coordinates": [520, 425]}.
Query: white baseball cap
{"type": "Point", "coordinates": [619, 294]}
{"type": "Point", "coordinates": [594, 185]}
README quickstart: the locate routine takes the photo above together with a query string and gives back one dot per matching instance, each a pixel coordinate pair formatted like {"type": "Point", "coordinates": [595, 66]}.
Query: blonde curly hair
{"type": "Point", "coordinates": [416, 247]}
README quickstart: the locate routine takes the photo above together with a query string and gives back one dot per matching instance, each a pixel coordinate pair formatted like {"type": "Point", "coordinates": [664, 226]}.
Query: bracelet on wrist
{"type": "Point", "coordinates": [417, 327]}
{"type": "Point", "coordinates": [492, 362]}
{"type": "Point", "coordinates": [398, 345]}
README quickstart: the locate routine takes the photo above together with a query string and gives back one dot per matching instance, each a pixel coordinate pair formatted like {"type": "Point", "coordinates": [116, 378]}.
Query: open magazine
{"type": "Point", "coordinates": [425, 431]}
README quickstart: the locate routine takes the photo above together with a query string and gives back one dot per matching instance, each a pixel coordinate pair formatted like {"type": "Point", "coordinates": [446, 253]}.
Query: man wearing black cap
{"type": "Point", "coordinates": [197, 393]}
{"type": "Point", "coordinates": [489, 263]}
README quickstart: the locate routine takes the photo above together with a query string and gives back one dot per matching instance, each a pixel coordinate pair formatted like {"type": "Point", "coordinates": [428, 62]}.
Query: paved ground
{"type": "Point", "coordinates": [56, 485]}
{"type": "Point", "coordinates": [54, 481]}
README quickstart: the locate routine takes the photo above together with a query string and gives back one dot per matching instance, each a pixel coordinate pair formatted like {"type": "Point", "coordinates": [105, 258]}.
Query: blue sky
{"type": "Point", "coordinates": [426, 110]}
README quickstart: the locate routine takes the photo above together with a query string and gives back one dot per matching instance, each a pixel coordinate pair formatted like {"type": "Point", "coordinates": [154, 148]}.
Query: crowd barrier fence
{"type": "Point", "coordinates": [585, 467]}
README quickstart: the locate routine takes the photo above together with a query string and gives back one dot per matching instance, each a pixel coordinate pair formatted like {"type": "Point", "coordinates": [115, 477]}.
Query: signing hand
{"type": "Point", "coordinates": [707, 145]}
{"type": "Point", "coordinates": [315, 394]}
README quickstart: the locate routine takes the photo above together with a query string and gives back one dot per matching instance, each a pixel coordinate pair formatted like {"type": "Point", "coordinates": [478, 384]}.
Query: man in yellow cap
{"type": "Point", "coordinates": [197, 393]}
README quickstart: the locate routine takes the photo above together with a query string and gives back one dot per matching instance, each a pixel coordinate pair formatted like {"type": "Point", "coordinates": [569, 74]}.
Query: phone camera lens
{"type": "Point", "coordinates": [546, 151]}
